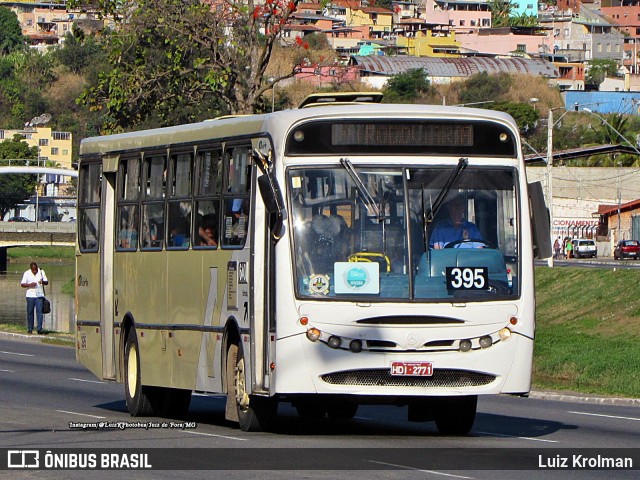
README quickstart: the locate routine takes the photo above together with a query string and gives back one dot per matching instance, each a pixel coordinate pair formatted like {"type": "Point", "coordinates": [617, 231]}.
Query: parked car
{"type": "Point", "coordinates": [583, 248]}
{"type": "Point", "coordinates": [627, 249]}
{"type": "Point", "coordinates": [18, 219]}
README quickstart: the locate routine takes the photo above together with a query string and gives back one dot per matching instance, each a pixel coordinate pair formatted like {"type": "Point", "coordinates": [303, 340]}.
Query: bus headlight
{"type": "Point", "coordinates": [334, 341]}
{"type": "Point", "coordinates": [505, 334]}
{"type": "Point", "coordinates": [465, 345]}
{"type": "Point", "coordinates": [355, 346]}
{"type": "Point", "coordinates": [486, 342]}
{"type": "Point", "coordinates": [313, 334]}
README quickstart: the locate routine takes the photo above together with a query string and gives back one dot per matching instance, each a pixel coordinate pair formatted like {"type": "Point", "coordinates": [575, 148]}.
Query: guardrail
{"type": "Point", "coordinates": [40, 227]}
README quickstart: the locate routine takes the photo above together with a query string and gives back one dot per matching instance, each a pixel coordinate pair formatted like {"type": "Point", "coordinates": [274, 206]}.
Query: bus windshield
{"type": "Point", "coordinates": [380, 233]}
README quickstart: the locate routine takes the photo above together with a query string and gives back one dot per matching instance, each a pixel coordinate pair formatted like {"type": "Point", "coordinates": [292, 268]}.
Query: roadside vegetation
{"type": "Point", "coordinates": [587, 331]}
{"type": "Point", "coordinates": [55, 253]}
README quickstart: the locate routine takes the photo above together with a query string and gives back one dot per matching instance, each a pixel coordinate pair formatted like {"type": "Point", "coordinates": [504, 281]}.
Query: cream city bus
{"type": "Point", "coordinates": [295, 257]}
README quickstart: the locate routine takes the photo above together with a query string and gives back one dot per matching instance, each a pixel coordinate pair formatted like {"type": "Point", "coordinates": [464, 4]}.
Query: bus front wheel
{"type": "Point", "coordinates": [138, 397]}
{"type": "Point", "coordinates": [254, 413]}
{"type": "Point", "coordinates": [455, 415]}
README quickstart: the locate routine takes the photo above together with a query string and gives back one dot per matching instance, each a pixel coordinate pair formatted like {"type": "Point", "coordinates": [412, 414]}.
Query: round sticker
{"type": "Point", "coordinates": [319, 284]}
{"type": "Point", "coordinates": [356, 277]}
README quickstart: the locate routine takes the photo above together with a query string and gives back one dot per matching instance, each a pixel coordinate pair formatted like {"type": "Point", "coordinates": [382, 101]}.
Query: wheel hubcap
{"type": "Point", "coordinates": [132, 371]}
{"type": "Point", "coordinates": [241, 393]}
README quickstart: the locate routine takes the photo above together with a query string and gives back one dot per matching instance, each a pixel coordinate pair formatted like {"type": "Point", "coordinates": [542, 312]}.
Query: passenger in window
{"type": "Point", "coordinates": [128, 236]}
{"type": "Point", "coordinates": [177, 237]}
{"type": "Point", "coordinates": [207, 231]}
{"type": "Point", "coordinates": [455, 231]}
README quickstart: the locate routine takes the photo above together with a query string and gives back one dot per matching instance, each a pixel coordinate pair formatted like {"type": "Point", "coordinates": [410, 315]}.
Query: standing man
{"type": "Point", "coordinates": [33, 280]}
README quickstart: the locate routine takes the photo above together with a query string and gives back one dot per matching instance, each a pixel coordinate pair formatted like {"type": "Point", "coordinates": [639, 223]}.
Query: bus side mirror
{"type": "Point", "coordinates": [273, 202]}
{"type": "Point", "coordinates": [539, 221]}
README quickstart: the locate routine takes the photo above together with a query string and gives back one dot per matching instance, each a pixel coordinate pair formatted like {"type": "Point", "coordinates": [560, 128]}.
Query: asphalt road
{"type": "Point", "coordinates": [46, 398]}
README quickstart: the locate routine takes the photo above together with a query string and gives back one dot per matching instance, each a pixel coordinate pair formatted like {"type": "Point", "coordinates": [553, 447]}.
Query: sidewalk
{"type": "Point", "coordinates": [66, 339]}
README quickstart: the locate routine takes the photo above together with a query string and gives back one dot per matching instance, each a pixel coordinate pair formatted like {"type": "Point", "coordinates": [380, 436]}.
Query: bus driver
{"type": "Point", "coordinates": [455, 228]}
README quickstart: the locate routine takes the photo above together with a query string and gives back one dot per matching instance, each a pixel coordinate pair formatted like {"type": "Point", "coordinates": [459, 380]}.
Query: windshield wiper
{"type": "Point", "coordinates": [442, 196]}
{"type": "Point", "coordinates": [430, 215]}
{"type": "Point", "coordinates": [368, 200]}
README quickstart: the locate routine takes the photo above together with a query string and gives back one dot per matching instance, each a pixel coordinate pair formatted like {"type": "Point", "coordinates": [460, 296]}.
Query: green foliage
{"type": "Point", "coordinates": [523, 20]}
{"type": "Point", "coordinates": [483, 87]}
{"type": "Point", "coordinates": [80, 53]}
{"type": "Point", "coordinates": [15, 188]}
{"type": "Point", "coordinates": [524, 114]}
{"type": "Point", "coordinates": [599, 69]}
{"type": "Point", "coordinates": [175, 61]}
{"type": "Point", "coordinates": [500, 12]}
{"type": "Point", "coordinates": [406, 87]}
{"type": "Point", "coordinates": [11, 38]}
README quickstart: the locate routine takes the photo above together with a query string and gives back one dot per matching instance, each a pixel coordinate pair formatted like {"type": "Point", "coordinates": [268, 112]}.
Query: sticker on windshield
{"type": "Point", "coordinates": [319, 284]}
{"type": "Point", "coordinates": [357, 277]}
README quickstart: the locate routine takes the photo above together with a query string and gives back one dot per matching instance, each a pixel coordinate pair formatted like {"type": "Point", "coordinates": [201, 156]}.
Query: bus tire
{"type": "Point", "coordinates": [455, 415]}
{"type": "Point", "coordinates": [254, 413]}
{"type": "Point", "coordinates": [138, 396]}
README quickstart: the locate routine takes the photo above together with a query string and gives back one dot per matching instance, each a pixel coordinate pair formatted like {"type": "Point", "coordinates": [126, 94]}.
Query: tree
{"type": "Point", "coordinates": [599, 69]}
{"type": "Point", "coordinates": [11, 37]}
{"type": "Point", "coordinates": [524, 114]}
{"type": "Point", "coordinates": [483, 87]}
{"type": "Point", "coordinates": [406, 87]}
{"type": "Point", "coordinates": [500, 12]}
{"type": "Point", "coordinates": [15, 188]}
{"type": "Point", "coordinates": [186, 58]}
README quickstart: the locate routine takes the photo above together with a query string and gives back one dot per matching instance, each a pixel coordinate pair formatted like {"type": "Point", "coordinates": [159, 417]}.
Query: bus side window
{"type": "Point", "coordinates": [236, 219]}
{"type": "Point", "coordinates": [236, 201]}
{"type": "Point", "coordinates": [207, 180]}
{"type": "Point", "coordinates": [153, 221]}
{"type": "Point", "coordinates": [179, 210]}
{"type": "Point", "coordinates": [128, 196]}
{"type": "Point", "coordinates": [89, 206]}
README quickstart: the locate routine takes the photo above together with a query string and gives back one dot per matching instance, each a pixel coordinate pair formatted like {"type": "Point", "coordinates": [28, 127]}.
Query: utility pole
{"type": "Point", "coordinates": [550, 178]}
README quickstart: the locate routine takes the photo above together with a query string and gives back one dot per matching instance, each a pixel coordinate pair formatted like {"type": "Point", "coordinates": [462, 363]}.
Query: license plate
{"type": "Point", "coordinates": [411, 369]}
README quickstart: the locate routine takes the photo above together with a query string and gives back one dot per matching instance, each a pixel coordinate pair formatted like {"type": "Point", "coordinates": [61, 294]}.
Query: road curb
{"type": "Point", "coordinates": [580, 398]}
{"type": "Point", "coordinates": [35, 337]}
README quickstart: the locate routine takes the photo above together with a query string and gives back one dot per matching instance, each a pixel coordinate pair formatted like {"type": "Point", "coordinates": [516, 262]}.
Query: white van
{"type": "Point", "coordinates": [583, 248]}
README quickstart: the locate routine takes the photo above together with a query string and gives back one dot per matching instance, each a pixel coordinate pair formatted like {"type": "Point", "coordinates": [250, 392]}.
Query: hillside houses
{"type": "Point", "coordinates": [569, 34]}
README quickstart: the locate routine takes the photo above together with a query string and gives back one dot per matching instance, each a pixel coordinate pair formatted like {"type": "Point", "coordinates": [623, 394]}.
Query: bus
{"type": "Point", "coordinates": [289, 257]}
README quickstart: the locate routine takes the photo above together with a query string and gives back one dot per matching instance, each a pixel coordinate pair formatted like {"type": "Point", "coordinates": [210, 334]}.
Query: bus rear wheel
{"type": "Point", "coordinates": [455, 415]}
{"type": "Point", "coordinates": [138, 396]}
{"type": "Point", "coordinates": [254, 413]}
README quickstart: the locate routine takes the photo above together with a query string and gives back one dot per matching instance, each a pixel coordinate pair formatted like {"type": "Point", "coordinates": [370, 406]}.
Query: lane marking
{"type": "Point", "coordinates": [81, 414]}
{"type": "Point", "coordinates": [606, 416]}
{"type": "Point", "coordinates": [19, 354]}
{"type": "Point", "coordinates": [491, 434]}
{"type": "Point", "coordinates": [214, 435]}
{"type": "Point", "coordinates": [9, 371]}
{"type": "Point", "coordinates": [86, 381]}
{"type": "Point", "coordinates": [420, 470]}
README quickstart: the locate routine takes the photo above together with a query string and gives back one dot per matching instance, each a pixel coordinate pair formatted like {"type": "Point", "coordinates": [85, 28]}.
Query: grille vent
{"type": "Point", "coordinates": [383, 378]}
